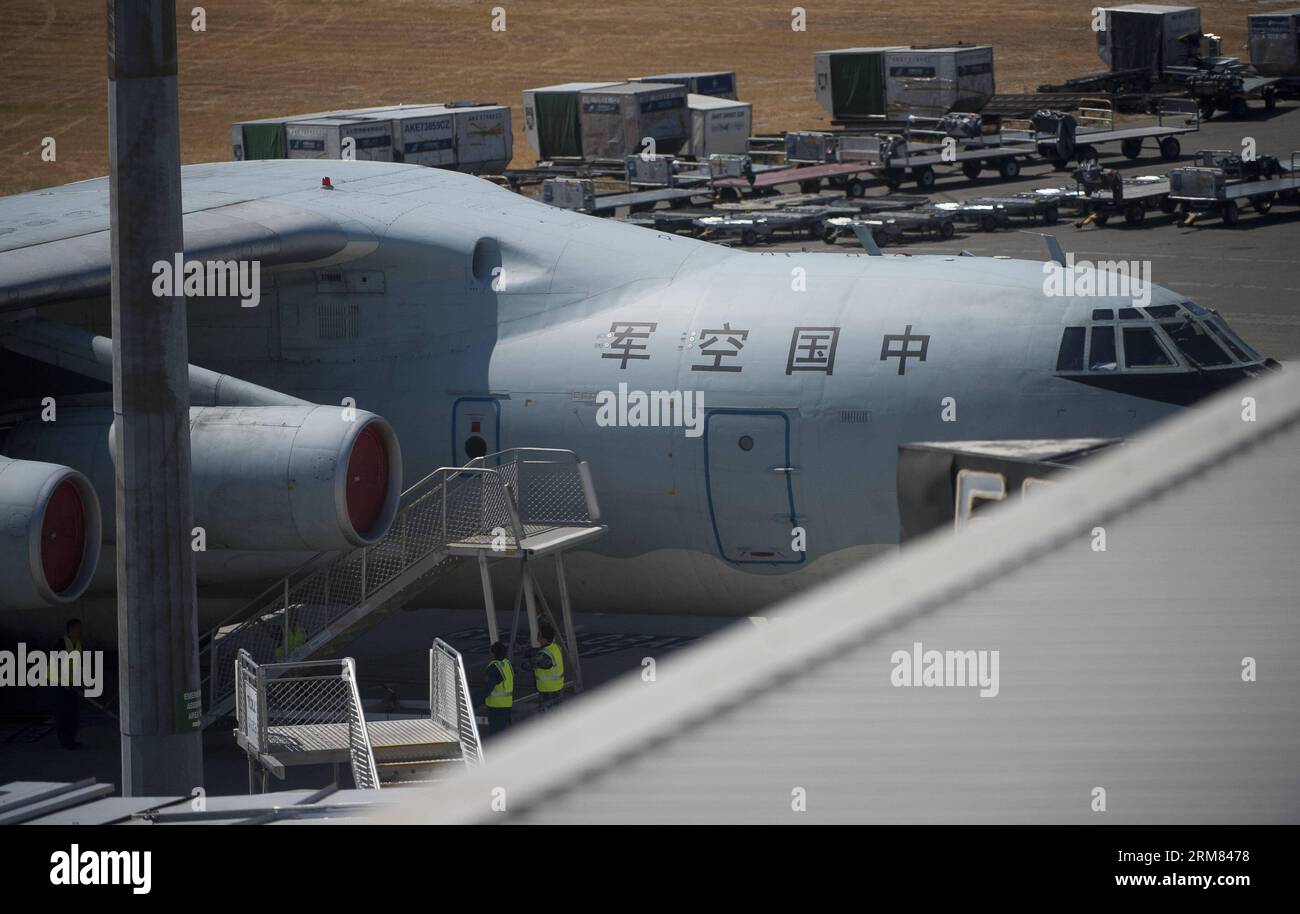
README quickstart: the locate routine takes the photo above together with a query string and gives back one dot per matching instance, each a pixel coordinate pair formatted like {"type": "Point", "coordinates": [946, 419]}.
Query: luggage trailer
{"type": "Point", "coordinates": [892, 227]}
{"type": "Point", "coordinates": [1132, 198]}
{"type": "Point", "coordinates": [1198, 189]}
{"type": "Point", "coordinates": [990, 213]}
{"type": "Point", "coordinates": [1174, 117]}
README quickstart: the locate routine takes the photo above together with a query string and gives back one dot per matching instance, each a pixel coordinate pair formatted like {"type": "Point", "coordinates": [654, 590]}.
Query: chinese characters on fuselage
{"type": "Point", "coordinates": [720, 348]}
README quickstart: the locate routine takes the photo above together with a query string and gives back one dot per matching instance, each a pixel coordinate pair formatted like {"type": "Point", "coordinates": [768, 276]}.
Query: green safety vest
{"type": "Point", "coordinates": [551, 680]}
{"type": "Point", "coordinates": [297, 637]}
{"type": "Point", "coordinates": [503, 693]}
{"type": "Point", "coordinates": [74, 663]}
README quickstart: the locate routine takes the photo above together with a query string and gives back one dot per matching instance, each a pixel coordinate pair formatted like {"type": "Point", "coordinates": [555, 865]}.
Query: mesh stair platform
{"type": "Point", "coordinates": [520, 503]}
{"type": "Point", "coordinates": [309, 713]}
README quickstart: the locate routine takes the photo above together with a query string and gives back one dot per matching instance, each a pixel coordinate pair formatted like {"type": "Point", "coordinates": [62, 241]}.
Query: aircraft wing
{"type": "Point", "coordinates": [55, 244]}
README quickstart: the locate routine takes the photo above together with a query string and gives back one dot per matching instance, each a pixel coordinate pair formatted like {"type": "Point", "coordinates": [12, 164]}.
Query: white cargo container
{"type": "Point", "coordinates": [1274, 41]}
{"type": "Point", "coordinates": [552, 122]}
{"type": "Point", "coordinates": [324, 138]}
{"type": "Point", "coordinates": [718, 83]}
{"type": "Point", "coordinates": [616, 119]}
{"type": "Point", "coordinates": [719, 126]}
{"type": "Point", "coordinates": [894, 82]}
{"type": "Point", "coordinates": [423, 135]}
{"type": "Point", "coordinates": [263, 138]}
{"type": "Point", "coordinates": [1149, 35]}
{"type": "Point", "coordinates": [484, 138]}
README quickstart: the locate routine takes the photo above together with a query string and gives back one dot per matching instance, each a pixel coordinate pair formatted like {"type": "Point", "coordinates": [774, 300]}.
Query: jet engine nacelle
{"type": "Point", "coordinates": [302, 478]}
{"type": "Point", "coordinates": [49, 534]}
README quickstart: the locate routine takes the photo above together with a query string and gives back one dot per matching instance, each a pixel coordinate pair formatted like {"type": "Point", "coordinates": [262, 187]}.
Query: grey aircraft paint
{"type": "Point", "coordinates": [439, 300]}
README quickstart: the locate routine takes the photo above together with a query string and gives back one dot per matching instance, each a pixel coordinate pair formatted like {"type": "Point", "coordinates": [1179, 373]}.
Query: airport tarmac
{"type": "Point", "coordinates": [1248, 273]}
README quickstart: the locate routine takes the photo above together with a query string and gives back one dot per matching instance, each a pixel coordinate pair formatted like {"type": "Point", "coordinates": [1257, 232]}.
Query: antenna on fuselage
{"type": "Point", "coordinates": [867, 240]}
{"type": "Point", "coordinates": [1054, 251]}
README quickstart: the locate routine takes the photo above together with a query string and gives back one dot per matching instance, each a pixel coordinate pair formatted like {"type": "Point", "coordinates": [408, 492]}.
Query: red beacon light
{"type": "Point", "coordinates": [325, 184]}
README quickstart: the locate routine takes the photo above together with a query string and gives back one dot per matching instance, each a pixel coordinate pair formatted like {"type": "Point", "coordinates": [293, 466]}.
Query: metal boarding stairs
{"type": "Point", "coordinates": [519, 504]}
{"type": "Point", "coordinates": [309, 713]}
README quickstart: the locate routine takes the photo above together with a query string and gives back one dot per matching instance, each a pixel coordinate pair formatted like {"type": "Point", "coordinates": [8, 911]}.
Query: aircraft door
{"type": "Point", "coordinates": [476, 428]}
{"type": "Point", "coordinates": [751, 486]}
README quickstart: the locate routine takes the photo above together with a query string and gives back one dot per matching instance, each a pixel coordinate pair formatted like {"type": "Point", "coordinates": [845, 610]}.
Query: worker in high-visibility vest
{"type": "Point", "coordinates": [66, 679]}
{"type": "Point", "coordinates": [548, 667]}
{"type": "Point", "coordinates": [498, 693]}
{"type": "Point", "coordinates": [297, 638]}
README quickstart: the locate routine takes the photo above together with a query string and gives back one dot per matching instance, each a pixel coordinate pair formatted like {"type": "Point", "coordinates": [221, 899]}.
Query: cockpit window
{"type": "Point", "coordinates": [1239, 347]}
{"type": "Point", "coordinates": [1195, 343]}
{"type": "Point", "coordinates": [1101, 351]}
{"type": "Point", "coordinates": [1070, 357]}
{"type": "Point", "coordinates": [1160, 312]}
{"type": "Point", "coordinates": [1142, 349]}
{"type": "Point", "coordinates": [1130, 314]}
{"type": "Point", "coordinates": [1103, 314]}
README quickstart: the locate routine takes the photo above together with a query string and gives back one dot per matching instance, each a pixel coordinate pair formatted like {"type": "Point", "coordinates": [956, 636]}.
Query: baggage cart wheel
{"type": "Point", "coordinates": [749, 238]}
{"type": "Point", "coordinates": [1238, 108]}
{"type": "Point", "coordinates": [988, 223]}
{"type": "Point", "coordinates": [1270, 99]}
{"type": "Point", "coordinates": [810, 187]}
{"type": "Point", "coordinates": [856, 188]}
{"type": "Point", "coordinates": [1085, 153]}
{"type": "Point", "coordinates": [729, 194]}
{"type": "Point", "coordinates": [1262, 203]}
{"type": "Point", "coordinates": [1167, 205]}
{"type": "Point", "coordinates": [679, 203]}
{"type": "Point", "coordinates": [924, 177]}
{"type": "Point", "coordinates": [946, 230]}
{"type": "Point", "coordinates": [1207, 110]}
{"type": "Point", "coordinates": [1009, 168]}
{"type": "Point", "coordinates": [1102, 218]}
{"type": "Point", "coordinates": [1132, 147]}
{"type": "Point", "coordinates": [1134, 213]}
{"type": "Point", "coordinates": [1052, 214]}
{"type": "Point", "coordinates": [1231, 213]}
{"type": "Point", "coordinates": [831, 234]}
{"type": "Point", "coordinates": [1170, 148]}
{"type": "Point", "coordinates": [972, 169]}
{"type": "Point", "coordinates": [894, 178]}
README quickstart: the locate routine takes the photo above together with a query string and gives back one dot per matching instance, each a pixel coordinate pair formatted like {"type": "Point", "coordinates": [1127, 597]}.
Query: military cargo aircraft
{"type": "Point", "coordinates": [741, 411]}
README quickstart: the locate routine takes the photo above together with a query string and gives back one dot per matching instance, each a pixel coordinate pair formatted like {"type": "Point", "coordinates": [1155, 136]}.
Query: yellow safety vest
{"type": "Point", "coordinates": [297, 637]}
{"type": "Point", "coordinates": [74, 663]}
{"type": "Point", "coordinates": [503, 693]}
{"type": "Point", "coordinates": [551, 680]}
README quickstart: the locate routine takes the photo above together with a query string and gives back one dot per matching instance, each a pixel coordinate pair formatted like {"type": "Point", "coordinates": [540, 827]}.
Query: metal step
{"type": "Point", "coordinates": [517, 503]}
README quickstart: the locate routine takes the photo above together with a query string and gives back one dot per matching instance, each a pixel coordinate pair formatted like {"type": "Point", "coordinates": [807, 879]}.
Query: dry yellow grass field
{"type": "Point", "coordinates": [260, 58]}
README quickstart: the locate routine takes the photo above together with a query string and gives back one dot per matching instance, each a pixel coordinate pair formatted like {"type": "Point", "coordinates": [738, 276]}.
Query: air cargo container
{"type": "Point", "coordinates": [324, 138]}
{"type": "Point", "coordinates": [616, 119]}
{"type": "Point", "coordinates": [552, 124]}
{"type": "Point", "coordinates": [1149, 35]}
{"type": "Point", "coordinates": [719, 126]}
{"type": "Point", "coordinates": [719, 83]}
{"type": "Point", "coordinates": [423, 135]}
{"type": "Point", "coordinates": [484, 138]}
{"type": "Point", "coordinates": [893, 82]}
{"type": "Point", "coordinates": [264, 138]}
{"type": "Point", "coordinates": [1274, 41]}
